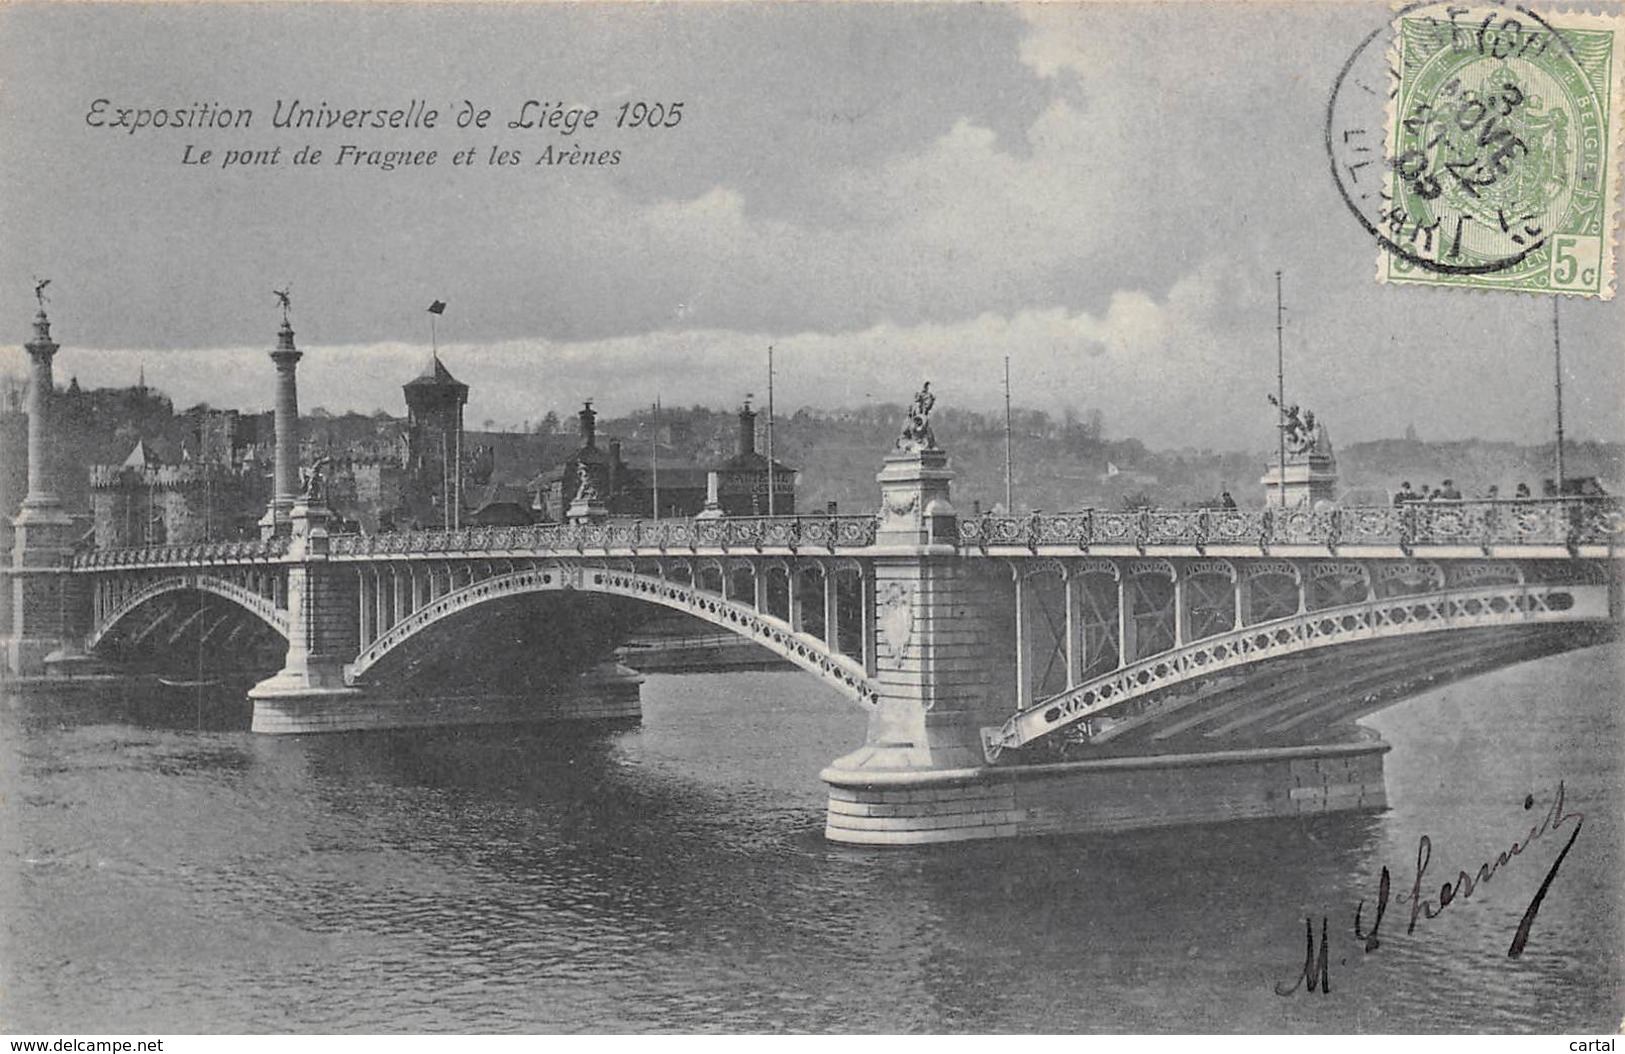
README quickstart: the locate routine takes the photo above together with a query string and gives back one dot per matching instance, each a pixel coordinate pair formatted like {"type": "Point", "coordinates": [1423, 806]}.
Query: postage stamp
{"type": "Point", "coordinates": [1501, 150]}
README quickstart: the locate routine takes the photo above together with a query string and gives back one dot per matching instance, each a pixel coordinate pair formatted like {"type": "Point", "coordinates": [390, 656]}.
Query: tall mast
{"type": "Point", "coordinates": [1009, 461]}
{"type": "Point", "coordinates": [1557, 353]}
{"type": "Point", "coordinates": [770, 473]}
{"type": "Point", "coordinates": [1280, 393]}
{"type": "Point", "coordinates": [654, 461]}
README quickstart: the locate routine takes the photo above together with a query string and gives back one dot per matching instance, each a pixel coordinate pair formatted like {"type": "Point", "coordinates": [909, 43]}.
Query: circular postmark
{"type": "Point", "coordinates": [1471, 142]}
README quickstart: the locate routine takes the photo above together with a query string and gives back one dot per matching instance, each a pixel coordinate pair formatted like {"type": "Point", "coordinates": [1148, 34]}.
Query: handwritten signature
{"type": "Point", "coordinates": [1316, 962]}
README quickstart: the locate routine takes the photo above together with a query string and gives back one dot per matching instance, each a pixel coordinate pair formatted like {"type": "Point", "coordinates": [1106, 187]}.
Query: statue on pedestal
{"type": "Point", "coordinates": [586, 490]}
{"type": "Point", "coordinates": [917, 427]}
{"type": "Point", "coordinates": [314, 485]}
{"type": "Point", "coordinates": [1300, 428]}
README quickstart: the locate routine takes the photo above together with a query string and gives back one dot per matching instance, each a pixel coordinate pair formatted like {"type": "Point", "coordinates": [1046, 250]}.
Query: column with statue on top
{"type": "Point", "coordinates": [42, 600]}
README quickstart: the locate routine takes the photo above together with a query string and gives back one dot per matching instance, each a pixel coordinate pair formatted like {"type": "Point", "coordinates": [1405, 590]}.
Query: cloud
{"type": "Point", "coordinates": [1145, 360]}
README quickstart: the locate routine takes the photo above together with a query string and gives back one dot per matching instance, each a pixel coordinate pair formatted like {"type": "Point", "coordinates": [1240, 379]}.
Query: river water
{"type": "Point", "coordinates": [163, 870]}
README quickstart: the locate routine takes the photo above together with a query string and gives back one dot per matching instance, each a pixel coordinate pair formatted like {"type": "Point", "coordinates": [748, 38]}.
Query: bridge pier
{"type": "Point", "coordinates": [605, 694]}
{"type": "Point", "coordinates": [330, 620]}
{"type": "Point", "coordinates": [954, 653]}
{"type": "Point", "coordinates": [934, 661]}
{"type": "Point", "coordinates": [310, 687]}
{"type": "Point", "coordinates": [915, 807]}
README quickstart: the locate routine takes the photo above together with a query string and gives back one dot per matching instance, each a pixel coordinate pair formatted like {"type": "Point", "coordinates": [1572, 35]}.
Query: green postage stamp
{"type": "Point", "coordinates": [1502, 150]}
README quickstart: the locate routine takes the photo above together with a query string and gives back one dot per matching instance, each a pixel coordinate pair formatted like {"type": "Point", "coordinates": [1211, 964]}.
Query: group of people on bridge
{"type": "Point", "coordinates": [1447, 491]}
{"type": "Point", "coordinates": [1585, 487]}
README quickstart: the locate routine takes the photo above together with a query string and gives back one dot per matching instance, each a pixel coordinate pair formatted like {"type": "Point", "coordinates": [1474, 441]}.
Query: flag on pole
{"type": "Point", "coordinates": [1112, 470]}
{"type": "Point", "coordinates": [437, 308]}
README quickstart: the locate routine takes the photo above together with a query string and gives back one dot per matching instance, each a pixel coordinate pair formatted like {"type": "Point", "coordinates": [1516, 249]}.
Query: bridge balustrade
{"type": "Point", "coordinates": [1561, 521]}
{"type": "Point", "coordinates": [1566, 522]}
{"type": "Point", "coordinates": [254, 550]}
{"type": "Point", "coordinates": [740, 533]}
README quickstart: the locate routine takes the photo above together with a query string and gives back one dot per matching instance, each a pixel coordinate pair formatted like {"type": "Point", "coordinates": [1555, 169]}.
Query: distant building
{"type": "Point", "coordinates": [743, 486]}
{"type": "Point", "coordinates": [169, 498]}
{"type": "Point", "coordinates": [553, 490]}
{"type": "Point", "coordinates": [628, 491]}
{"type": "Point", "coordinates": [434, 442]}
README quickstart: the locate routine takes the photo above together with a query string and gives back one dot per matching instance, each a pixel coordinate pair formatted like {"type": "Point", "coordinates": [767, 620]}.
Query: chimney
{"type": "Point", "coordinates": [747, 430]}
{"type": "Point", "coordinates": [587, 417]}
{"type": "Point", "coordinates": [614, 468]}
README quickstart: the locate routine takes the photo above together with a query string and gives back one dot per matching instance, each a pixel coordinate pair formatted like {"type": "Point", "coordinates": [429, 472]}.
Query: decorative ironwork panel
{"type": "Point", "coordinates": [1373, 526]}
{"type": "Point", "coordinates": [1176, 527]}
{"type": "Point", "coordinates": [1115, 528]}
{"type": "Point", "coordinates": [1222, 568]}
{"type": "Point", "coordinates": [1304, 527]}
{"type": "Point", "coordinates": [1070, 528]}
{"type": "Point", "coordinates": [1237, 527]}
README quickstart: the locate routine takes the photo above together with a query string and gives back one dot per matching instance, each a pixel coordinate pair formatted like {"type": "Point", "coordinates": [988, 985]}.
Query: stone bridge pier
{"type": "Point", "coordinates": [321, 633]}
{"type": "Point", "coordinates": [957, 652]}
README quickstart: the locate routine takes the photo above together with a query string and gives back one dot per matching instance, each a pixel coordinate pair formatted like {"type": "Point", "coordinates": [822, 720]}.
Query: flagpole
{"type": "Point", "coordinates": [1280, 395]}
{"type": "Point", "coordinates": [1557, 353]}
{"type": "Point", "coordinates": [1009, 460]}
{"type": "Point", "coordinates": [451, 472]}
{"type": "Point", "coordinates": [654, 461]}
{"type": "Point", "coordinates": [770, 473]}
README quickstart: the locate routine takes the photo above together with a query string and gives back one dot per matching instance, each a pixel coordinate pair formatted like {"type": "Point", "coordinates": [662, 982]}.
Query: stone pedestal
{"type": "Point", "coordinates": [588, 509]}
{"type": "Point", "coordinates": [320, 627]}
{"type": "Point", "coordinates": [38, 590]}
{"type": "Point", "coordinates": [1306, 481]}
{"type": "Point", "coordinates": [915, 509]}
{"type": "Point", "coordinates": [1308, 477]}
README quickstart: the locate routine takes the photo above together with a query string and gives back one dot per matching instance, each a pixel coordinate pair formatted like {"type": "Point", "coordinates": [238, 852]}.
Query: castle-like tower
{"type": "Point", "coordinates": [434, 437]}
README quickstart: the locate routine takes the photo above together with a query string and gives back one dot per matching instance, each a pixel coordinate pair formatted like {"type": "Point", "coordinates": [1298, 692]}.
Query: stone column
{"type": "Point", "coordinates": [41, 497]}
{"type": "Point", "coordinates": [285, 465]}
{"type": "Point", "coordinates": [45, 612]}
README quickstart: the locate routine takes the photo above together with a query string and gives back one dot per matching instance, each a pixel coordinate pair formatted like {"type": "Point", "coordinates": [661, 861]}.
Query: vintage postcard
{"type": "Point", "coordinates": [844, 518]}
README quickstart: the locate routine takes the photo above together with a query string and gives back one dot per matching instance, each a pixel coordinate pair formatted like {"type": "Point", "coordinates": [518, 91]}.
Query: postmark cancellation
{"type": "Point", "coordinates": [1502, 150]}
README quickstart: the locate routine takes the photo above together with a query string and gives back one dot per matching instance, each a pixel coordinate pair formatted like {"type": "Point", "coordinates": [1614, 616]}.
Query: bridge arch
{"type": "Point", "coordinates": [257, 604]}
{"type": "Point", "coordinates": [775, 634]}
{"type": "Point", "coordinates": [1371, 619]}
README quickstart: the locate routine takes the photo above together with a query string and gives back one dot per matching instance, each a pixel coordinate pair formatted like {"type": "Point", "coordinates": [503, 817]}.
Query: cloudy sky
{"type": "Point", "coordinates": [885, 193]}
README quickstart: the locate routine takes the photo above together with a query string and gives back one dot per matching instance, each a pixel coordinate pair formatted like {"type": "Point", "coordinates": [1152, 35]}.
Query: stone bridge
{"type": "Point", "coordinates": [1000, 658]}
{"type": "Point", "coordinates": [1021, 674]}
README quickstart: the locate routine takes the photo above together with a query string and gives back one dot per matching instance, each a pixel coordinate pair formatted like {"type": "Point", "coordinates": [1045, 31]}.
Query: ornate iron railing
{"type": "Point", "coordinates": [1565, 522]}
{"type": "Point", "coordinates": [1556, 521]}
{"type": "Point", "coordinates": [750, 533]}
{"type": "Point", "coordinates": [195, 553]}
